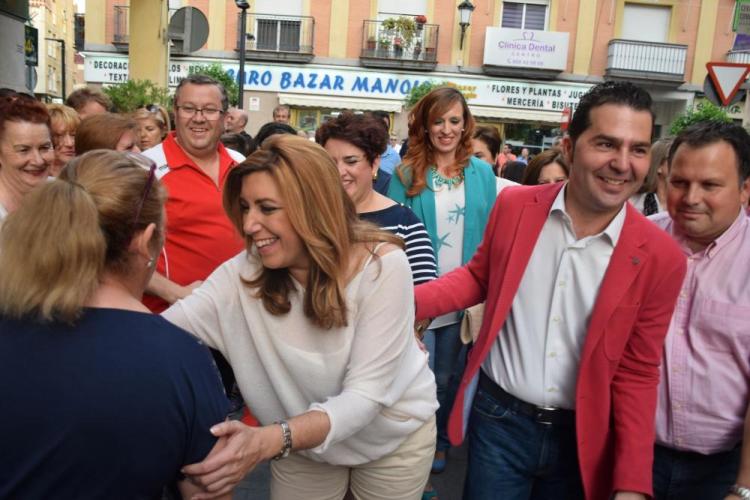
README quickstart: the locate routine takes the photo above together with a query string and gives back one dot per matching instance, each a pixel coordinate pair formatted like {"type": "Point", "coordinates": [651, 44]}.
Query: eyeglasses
{"type": "Point", "coordinates": [189, 111]}
{"type": "Point", "coordinates": [143, 162]}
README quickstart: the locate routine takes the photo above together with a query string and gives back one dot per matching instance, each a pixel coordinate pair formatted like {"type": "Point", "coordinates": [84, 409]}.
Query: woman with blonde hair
{"type": "Point", "coordinates": [316, 319]}
{"type": "Point", "coordinates": [88, 373]}
{"type": "Point", "coordinates": [452, 193]}
{"type": "Point", "coordinates": [153, 125]}
{"type": "Point", "coordinates": [107, 131]}
{"type": "Point", "coordinates": [64, 122]}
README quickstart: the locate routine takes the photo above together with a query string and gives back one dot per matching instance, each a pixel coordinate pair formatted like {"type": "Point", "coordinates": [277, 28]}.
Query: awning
{"type": "Point", "coordinates": [531, 115]}
{"type": "Point", "coordinates": [317, 101]}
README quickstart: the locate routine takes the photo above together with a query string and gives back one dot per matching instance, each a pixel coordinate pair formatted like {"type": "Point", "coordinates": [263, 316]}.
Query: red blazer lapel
{"type": "Point", "coordinates": [627, 261]}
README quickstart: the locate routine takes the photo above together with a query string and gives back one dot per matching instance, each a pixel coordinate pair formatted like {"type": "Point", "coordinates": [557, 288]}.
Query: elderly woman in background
{"type": "Point", "coordinates": [90, 378]}
{"type": "Point", "coordinates": [355, 143]}
{"type": "Point", "coordinates": [486, 144]}
{"type": "Point", "coordinates": [64, 122]}
{"type": "Point", "coordinates": [547, 167]}
{"type": "Point", "coordinates": [26, 150]}
{"type": "Point", "coordinates": [316, 319]}
{"type": "Point", "coordinates": [153, 125]}
{"type": "Point", "coordinates": [107, 131]}
{"type": "Point", "coordinates": [452, 193]}
{"type": "Point", "coordinates": [652, 197]}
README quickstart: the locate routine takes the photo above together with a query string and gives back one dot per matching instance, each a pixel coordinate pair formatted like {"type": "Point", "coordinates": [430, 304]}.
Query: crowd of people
{"type": "Point", "coordinates": [577, 315]}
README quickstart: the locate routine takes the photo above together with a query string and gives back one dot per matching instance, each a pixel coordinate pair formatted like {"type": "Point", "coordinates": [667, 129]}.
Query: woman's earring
{"type": "Point", "coordinates": [150, 262]}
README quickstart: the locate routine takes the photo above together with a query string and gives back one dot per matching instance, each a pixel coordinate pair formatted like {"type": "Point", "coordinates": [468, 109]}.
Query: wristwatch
{"type": "Point", "coordinates": [286, 436]}
{"type": "Point", "coordinates": [740, 491]}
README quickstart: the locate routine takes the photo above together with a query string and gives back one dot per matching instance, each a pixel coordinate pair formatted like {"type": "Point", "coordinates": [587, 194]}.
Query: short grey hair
{"type": "Point", "coordinates": [200, 79]}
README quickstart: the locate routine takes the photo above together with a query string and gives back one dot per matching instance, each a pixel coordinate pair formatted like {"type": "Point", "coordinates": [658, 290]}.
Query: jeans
{"type": "Point", "coordinates": [447, 360]}
{"type": "Point", "coordinates": [514, 457]}
{"type": "Point", "coordinates": [692, 476]}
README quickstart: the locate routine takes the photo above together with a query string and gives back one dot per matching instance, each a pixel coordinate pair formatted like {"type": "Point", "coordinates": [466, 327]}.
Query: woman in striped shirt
{"type": "Point", "coordinates": [355, 143]}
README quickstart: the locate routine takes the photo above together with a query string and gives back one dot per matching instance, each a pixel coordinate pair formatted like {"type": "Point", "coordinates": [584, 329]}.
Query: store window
{"type": "Point", "coordinates": [525, 15]}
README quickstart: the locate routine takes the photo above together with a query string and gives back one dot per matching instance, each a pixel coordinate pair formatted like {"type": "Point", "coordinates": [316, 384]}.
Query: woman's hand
{"type": "Point", "coordinates": [226, 466]}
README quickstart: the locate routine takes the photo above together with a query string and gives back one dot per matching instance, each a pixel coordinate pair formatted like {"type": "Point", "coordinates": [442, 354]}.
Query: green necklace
{"type": "Point", "coordinates": [440, 180]}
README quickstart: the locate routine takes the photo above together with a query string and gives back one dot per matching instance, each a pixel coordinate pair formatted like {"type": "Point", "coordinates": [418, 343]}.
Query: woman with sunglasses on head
{"type": "Point", "coordinates": [101, 399]}
{"type": "Point", "coordinates": [316, 318]}
{"type": "Point", "coordinates": [26, 150]}
{"type": "Point", "coordinates": [153, 125]}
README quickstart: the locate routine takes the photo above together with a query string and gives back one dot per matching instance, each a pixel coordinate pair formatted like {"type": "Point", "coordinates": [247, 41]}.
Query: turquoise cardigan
{"type": "Point", "coordinates": [481, 190]}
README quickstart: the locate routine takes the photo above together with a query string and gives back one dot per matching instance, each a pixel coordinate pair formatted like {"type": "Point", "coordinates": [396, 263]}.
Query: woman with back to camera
{"type": "Point", "coordinates": [153, 125]}
{"type": "Point", "coordinates": [452, 193]}
{"type": "Point", "coordinates": [107, 131]}
{"type": "Point", "coordinates": [316, 319]}
{"type": "Point", "coordinates": [355, 142]}
{"type": "Point", "coordinates": [64, 122]}
{"type": "Point", "coordinates": [101, 399]}
{"type": "Point", "coordinates": [547, 167]}
{"type": "Point", "coordinates": [26, 150]}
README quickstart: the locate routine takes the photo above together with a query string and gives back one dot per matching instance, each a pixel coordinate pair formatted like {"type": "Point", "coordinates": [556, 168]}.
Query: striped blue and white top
{"type": "Point", "coordinates": [402, 222]}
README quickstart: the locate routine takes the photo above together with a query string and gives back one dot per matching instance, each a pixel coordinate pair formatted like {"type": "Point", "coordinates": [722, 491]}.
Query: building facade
{"type": "Point", "coordinates": [54, 20]}
{"type": "Point", "coordinates": [520, 63]}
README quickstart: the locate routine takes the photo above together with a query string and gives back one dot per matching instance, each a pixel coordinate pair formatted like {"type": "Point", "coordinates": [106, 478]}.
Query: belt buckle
{"type": "Point", "coordinates": [543, 414]}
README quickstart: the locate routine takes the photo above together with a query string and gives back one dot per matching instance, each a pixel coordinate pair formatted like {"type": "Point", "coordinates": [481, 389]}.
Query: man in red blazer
{"type": "Point", "coordinates": [559, 392]}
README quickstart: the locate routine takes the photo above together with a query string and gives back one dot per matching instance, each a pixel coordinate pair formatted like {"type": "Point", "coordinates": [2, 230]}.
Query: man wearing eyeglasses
{"type": "Point", "coordinates": [192, 164]}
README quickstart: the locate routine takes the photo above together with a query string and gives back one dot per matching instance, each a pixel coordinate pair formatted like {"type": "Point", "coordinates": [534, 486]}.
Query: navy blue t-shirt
{"type": "Point", "coordinates": [111, 407]}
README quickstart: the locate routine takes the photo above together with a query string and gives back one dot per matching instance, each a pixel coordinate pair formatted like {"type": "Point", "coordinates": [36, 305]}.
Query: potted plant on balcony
{"type": "Point", "coordinates": [420, 21]}
{"type": "Point", "coordinates": [384, 47]}
{"type": "Point", "coordinates": [406, 28]}
{"type": "Point", "coordinates": [372, 43]}
{"type": "Point", "coordinates": [398, 47]}
{"type": "Point", "coordinates": [389, 25]}
{"type": "Point", "coordinates": [417, 49]}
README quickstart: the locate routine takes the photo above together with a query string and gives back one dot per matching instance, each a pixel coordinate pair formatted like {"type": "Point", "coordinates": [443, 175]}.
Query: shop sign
{"type": "Point", "coordinates": [344, 82]}
{"type": "Point", "coordinates": [526, 48]}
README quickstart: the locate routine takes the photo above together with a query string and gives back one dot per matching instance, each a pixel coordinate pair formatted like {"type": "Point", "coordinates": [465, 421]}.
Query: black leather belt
{"type": "Point", "coordinates": [543, 415]}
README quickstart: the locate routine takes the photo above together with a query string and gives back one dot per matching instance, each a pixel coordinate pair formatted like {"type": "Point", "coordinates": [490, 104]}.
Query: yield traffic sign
{"type": "Point", "coordinates": [727, 78]}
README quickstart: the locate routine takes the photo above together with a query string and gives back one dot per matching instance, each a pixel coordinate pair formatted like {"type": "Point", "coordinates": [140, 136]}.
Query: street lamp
{"type": "Point", "coordinates": [242, 5]}
{"type": "Point", "coordinates": [62, 53]}
{"type": "Point", "coordinates": [465, 9]}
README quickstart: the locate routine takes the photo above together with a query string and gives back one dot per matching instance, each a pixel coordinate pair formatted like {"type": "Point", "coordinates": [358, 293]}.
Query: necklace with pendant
{"type": "Point", "coordinates": [440, 180]}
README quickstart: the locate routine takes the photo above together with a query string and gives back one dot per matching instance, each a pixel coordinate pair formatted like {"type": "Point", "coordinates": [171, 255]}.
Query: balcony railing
{"type": "Point", "coordinates": [391, 48]}
{"type": "Point", "coordinates": [739, 56]}
{"type": "Point", "coordinates": [278, 37]}
{"type": "Point", "coordinates": [121, 32]}
{"type": "Point", "coordinates": [646, 60]}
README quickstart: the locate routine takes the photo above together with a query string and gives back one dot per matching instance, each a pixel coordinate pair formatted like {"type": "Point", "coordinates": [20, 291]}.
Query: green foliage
{"type": "Point", "coordinates": [216, 72]}
{"type": "Point", "coordinates": [422, 90]}
{"type": "Point", "coordinates": [133, 94]}
{"type": "Point", "coordinates": [702, 112]}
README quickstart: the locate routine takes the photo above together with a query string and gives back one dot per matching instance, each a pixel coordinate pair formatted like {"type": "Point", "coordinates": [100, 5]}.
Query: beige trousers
{"type": "Point", "coordinates": [400, 475]}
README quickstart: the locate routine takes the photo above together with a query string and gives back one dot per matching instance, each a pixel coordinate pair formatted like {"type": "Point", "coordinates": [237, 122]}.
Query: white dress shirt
{"type": "Point", "coordinates": [538, 349]}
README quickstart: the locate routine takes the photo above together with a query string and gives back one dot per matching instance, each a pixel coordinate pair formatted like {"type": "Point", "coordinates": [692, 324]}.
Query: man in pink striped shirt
{"type": "Point", "coordinates": [705, 373]}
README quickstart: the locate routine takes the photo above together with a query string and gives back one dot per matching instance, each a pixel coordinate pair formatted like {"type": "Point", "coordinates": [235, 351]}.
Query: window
{"type": "Point", "coordinates": [395, 8]}
{"type": "Point", "coordinates": [646, 23]}
{"type": "Point", "coordinates": [278, 34]}
{"type": "Point", "coordinates": [528, 16]}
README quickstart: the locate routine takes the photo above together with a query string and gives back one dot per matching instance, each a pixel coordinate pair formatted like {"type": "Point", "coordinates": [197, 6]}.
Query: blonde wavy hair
{"type": "Point", "coordinates": [323, 216]}
{"type": "Point", "coordinates": [66, 233]}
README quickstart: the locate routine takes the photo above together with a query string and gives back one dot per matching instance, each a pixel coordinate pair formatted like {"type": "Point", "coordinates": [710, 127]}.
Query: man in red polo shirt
{"type": "Point", "coordinates": [192, 164]}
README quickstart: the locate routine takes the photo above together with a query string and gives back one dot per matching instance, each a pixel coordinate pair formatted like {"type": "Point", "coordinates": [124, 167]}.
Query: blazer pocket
{"type": "Point", "coordinates": [618, 330]}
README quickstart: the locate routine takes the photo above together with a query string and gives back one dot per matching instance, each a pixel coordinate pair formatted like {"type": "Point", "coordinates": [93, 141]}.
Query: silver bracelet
{"type": "Point", "coordinates": [286, 435]}
{"type": "Point", "coordinates": [740, 491]}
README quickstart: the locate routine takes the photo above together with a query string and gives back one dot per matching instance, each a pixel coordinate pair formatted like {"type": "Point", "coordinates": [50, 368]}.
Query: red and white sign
{"type": "Point", "coordinates": [565, 119]}
{"type": "Point", "coordinates": [727, 78]}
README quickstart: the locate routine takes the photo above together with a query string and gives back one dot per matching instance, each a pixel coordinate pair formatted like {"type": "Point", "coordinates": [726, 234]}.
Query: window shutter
{"type": "Point", "coordinates": [512, 15]}
{"type": "Point", "coordinates": [535, 17]}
